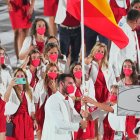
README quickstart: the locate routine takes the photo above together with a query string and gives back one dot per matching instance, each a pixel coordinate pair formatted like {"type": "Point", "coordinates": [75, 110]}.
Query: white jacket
{"type": "Point", "coordinates": [13, 99]}
{"type": "Point", "coordinates": [40, 93]}
{"type": "Point", "coordinates": [26, 44]}
{"type": "Point", "coordinates": [61, 119]}
{"type": "Point", "coordinates": [107, 72]}
{"type": "Point", "coordinates": [5, 79]}
{"type": "Point", "coordinates": [40, 71]}
{"type": "Point", "coordinates": [89, 87]}
{"type": "Point", "coordinates": [117, 56]}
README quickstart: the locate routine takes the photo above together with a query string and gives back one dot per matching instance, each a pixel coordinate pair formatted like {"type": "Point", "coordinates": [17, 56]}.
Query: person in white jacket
{"type": "Point", "coordinates": [61, 119]}
{"type": "Point", "coordinates": [107, 114]}
{"type": "Point", "coordinates": [5, 79]}
{"type": "Point", "coordinates": [20, 106]}
{"type": "Point", "coordinates": [43, 90]}
{"type": "Point", "coordinates": [77, 95]}
{"type": "Point", "coordinates": [37, 38]}
{"type": "Point", "coordinates": [131, 51]}
{"type": "Point", "coordinates": [100, 71]}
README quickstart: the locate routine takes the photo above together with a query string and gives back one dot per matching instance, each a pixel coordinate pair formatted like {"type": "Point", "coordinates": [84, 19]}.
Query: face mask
{"type": "Point", "coordinates": [41, 30]}
{"type": "Point", "coordinates": [112, 97]}
{"type": "Point", "coordinates": [2, 60]}
{"type": "Point", "coordinates": [127, 72]}
{"type": "Point", "coordinates": [52, 75]}
{"type": "Point", "coordinates": [98, 56]}
{"type": "Point", "coordinates": [53, 57]}
{"type": "Point", "coordinates": [78, 74]}
{"type": "Point", "coordinates": [70, 89]}
{"type": "Point", "coordinates": [35, 62]}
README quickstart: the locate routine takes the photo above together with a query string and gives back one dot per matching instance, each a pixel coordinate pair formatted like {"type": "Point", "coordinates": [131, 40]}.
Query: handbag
{"type": "Point", "coordinates": [9, 128]}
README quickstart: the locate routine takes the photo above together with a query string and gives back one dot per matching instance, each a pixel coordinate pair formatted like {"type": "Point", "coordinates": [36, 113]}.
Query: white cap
{"type": "Point", "coordinates": [137, 126]}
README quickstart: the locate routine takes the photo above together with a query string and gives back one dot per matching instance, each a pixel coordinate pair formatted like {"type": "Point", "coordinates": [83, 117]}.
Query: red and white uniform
{"type": "Point", "coordinates": [19, 15]}
{"type": "Point", "coordinates": [90, 133]}
{"type": "Point", "coordinates": [50, 7]}
{"type": "Point", "coordinates": [40, 96]}
{"type": "Point", "coordinates": [102, 78]}
{"type": "Point", "coordinates": [4, 82]}
{"type": "Point", "coordinates": [34, 77]}
{"type": "Point", "coordinates": [28, 41]}
{"type": "Point", "coordinates": [21, 116]}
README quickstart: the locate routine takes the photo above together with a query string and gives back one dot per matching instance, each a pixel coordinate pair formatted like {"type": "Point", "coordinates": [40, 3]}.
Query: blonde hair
{"type": "Point", "coordinates": [95, 48]}
{"type": "Point", "coordinates": [26, 87]}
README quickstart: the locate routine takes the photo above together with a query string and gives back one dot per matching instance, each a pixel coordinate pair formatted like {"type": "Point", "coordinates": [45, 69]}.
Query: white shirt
{"type": "Point", "coordinates": [117, 56]}
{"type": "Point", "coordinates": [5, 79]}
{"type": "Point", "coordinates": [60, 120]}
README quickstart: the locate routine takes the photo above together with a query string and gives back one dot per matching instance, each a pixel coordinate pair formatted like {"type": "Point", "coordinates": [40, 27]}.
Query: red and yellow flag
{"type": "Point", "coordinates": [99, 17]}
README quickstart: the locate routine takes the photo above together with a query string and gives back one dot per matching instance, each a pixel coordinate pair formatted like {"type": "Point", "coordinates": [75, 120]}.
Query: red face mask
{"type": "Point", "coordinates": [70, 89]}
{"type": "Point", "coordinates": [112, 97]}
{"type": "Point", "coordinates": [41, 30]}
{"type": "Point", "coordinates": [52, 75]}
{"type": "Point", "coordinates": [2, 60]}
{"type": "Point", "coordinates": [78, 74]}
{"type": "Point", "coordinates": [53, 57]}
{"type": "Point", "coordinates": [127, 72]}
{"type": "Point", "coordinates": [35, 62]}
{"type": "Point", "coordinates": [98, 56]}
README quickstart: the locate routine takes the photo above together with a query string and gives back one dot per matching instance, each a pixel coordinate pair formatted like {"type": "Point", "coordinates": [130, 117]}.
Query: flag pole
{"type": "Point", "coordinates": [83, 50]}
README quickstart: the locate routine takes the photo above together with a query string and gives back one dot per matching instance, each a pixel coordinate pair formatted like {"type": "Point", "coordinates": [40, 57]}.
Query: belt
{"type": "Point", "coordinates": [70, 28]}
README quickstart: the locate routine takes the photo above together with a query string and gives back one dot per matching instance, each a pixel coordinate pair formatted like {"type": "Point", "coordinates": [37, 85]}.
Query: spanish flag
{"type": "Point", "coordinates": [97, 16]}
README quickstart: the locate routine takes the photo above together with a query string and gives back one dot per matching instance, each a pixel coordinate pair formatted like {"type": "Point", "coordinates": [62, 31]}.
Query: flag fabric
{"type": "Point", "coordinates": [97, 16]}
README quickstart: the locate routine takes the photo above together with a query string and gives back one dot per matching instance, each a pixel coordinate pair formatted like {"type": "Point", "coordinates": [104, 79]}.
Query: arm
{"type": "Point", "coordinates": [9, 89]}
{"type": "Point", "coordinates": [102, 106]}
{"type": "Point", "coordinates": [26, 48]}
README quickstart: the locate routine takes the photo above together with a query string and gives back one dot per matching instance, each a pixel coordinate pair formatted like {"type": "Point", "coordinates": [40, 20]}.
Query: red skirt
{"type": "Point", "coordinates": [50, 7]}
{"type": "Point", "coordinates": [23, 128]}
{"type": "Point", "coordinates": [131, 122]}
{"type": "Point", "coordinates": [88, 134]}
{"type": "Point", "coordinates": [2, 117]}
{"type": "Point", "coordinates": [19, 15]}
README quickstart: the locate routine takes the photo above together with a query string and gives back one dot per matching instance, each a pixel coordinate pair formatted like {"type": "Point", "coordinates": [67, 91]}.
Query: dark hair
{"type": "Point", "coordinates": [137, 130]}
{"type": "Point", "coordinates": [50, 37]}
{"type": "Point", "coordinates": [62, 77]}
{"type": "Point", "coordinates": [50, 46]}
{"type": "Point", "coordinates": [73, 66]}
{"type": "Point", "coordinates": [33, 29]}
{"type": "Point", "coordinates": [134, 75]}
{"type": "Point", "coordinates": [133, 15]}
{"type": "Point", "coordinates": [134, 2]}
{"type": "Point", "coordinates": [32, 52]}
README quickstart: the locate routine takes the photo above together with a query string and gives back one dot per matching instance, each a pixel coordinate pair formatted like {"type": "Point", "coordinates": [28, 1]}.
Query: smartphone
{"type": "Point", "coordinates": [21, 81]}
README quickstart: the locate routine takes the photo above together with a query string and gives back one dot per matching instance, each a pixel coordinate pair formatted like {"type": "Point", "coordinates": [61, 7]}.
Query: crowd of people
{"type": "Point", "coordinates": [45, 96]}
